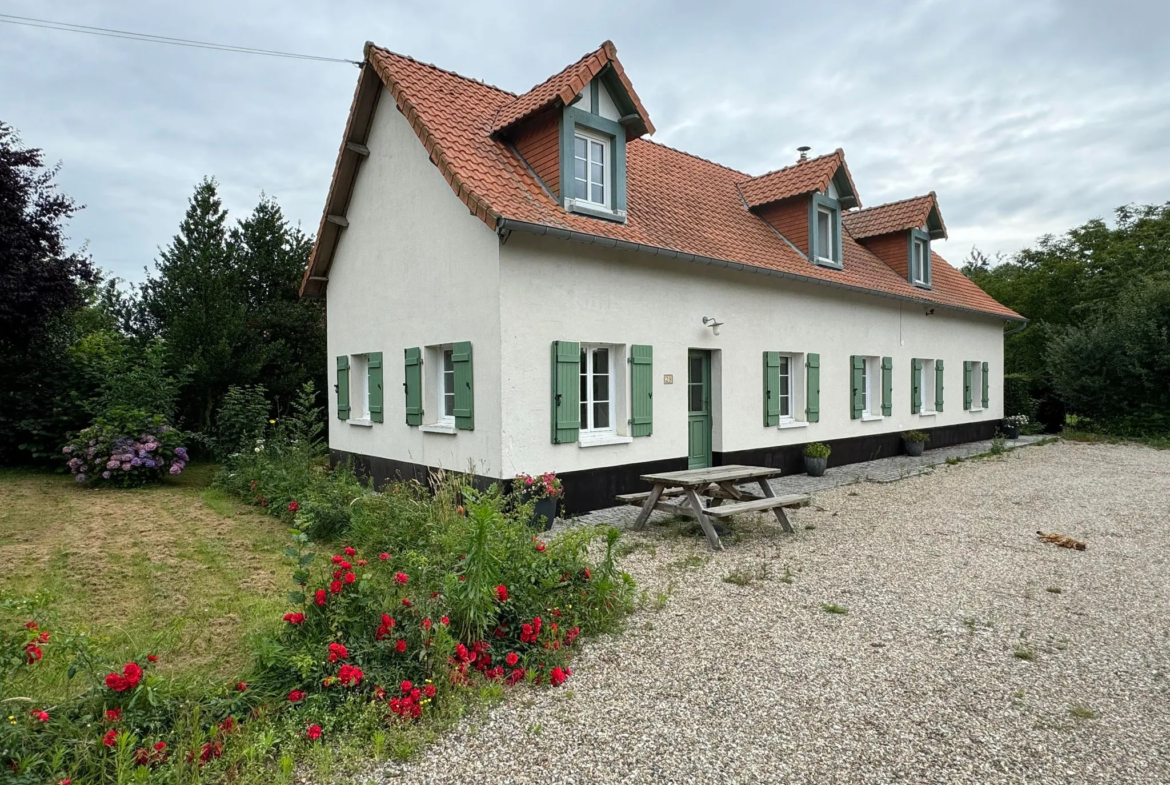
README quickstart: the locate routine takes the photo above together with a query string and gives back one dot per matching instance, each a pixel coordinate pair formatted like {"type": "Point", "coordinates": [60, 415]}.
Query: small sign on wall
{"type": "Point", "coordinates": [668, 378]}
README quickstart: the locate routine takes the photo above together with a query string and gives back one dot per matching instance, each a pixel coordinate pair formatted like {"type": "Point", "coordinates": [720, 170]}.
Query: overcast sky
{"type": "Point", "coordinates": [1026, 117]}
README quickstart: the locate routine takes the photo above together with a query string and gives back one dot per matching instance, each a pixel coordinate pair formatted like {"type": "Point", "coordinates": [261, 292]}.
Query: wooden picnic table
{"type": "Point", "coordinates": [717, 483]}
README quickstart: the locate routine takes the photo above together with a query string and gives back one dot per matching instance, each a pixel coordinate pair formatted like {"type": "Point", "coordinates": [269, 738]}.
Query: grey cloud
{"type": "Point", "coordinates": [1026, 118]}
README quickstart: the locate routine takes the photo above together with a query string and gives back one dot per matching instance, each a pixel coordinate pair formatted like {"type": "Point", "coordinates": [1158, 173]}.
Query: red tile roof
{"type": "Point", "coordinates": [893, 217]}
{"type": "Point", "coordinates": [565, 86]}
{"type": "Point", "coordinates": [675, 202]}
{"type": "Point", "coordinates": [803, 177]}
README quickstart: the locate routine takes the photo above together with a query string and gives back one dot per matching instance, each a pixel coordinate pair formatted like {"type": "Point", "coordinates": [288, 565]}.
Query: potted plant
{"type": "Point", "coordinates": [1013, 424]}
{"type": "Point", "coordinates": [816, 458]}
{"type": "Point", "coordinates": [915, 442]}
{"type": "Point", "coordinates": [545, 490]}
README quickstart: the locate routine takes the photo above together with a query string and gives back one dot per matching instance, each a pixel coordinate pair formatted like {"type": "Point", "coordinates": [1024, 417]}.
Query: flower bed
{"type": "Point", "coordinates": [424, 602]}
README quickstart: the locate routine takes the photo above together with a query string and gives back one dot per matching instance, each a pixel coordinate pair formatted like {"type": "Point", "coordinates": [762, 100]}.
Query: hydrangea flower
{"type": "Point", "coordinates": [81, 478]}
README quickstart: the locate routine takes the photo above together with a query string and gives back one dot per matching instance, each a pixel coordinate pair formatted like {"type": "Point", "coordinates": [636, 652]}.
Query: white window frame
{"type": "Point", "coordinates": [871, 388]}
{"type": "Point", "coordinates": [976, 386]}
{"type": "Point", "coordinates": [587, 373]}
{"type": "Point", "coordinates": [796, 391]}
{"type": "Point", "coordinates": [606, 167]}
{"type": "Point", "coordinates": [919, 264]}
{"type": "Point", "coordinates": [444, 351]}
{"type": "Point", "coordinates": [926, 385]}
{"type": "Point", "coordinates": [359, 389]}
{"type": "Point", "coordinates": [831, 214]}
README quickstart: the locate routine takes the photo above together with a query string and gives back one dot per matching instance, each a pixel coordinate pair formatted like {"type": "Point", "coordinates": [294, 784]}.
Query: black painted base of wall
{"type": "Point", "coordinates": [593, 489]}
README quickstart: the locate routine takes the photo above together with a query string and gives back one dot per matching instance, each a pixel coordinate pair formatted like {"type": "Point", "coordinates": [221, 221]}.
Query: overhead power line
{"type": "Point", "coordinates": [47, 24]}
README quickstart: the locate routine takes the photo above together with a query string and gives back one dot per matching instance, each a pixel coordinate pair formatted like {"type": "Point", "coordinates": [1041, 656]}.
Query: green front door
{"type": "Point", "coordinates": [699, 409]}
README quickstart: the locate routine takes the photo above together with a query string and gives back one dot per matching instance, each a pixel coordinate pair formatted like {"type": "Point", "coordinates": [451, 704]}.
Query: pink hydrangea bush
{"type": "Point", "coordinates": [126, 449]}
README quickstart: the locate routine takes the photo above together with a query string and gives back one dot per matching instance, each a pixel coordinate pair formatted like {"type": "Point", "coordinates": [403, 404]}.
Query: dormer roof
{"type": "Point", "coordinates": [562, 88]}
{"type": "Point", "coordinates": [680, 206]}
{"type": "Point", "coordinates": [803, 177]}
{"type": "Point", "coordinates": [913, 213]}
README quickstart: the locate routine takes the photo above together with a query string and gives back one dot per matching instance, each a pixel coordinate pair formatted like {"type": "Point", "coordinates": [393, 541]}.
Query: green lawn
{"type": "Point", "coordinates": [178, 569]}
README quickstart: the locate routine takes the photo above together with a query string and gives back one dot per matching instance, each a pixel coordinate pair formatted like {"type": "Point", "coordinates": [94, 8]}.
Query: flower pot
{"type": "Point", "coordinates": [544, 513]}
{"type": "Point", "coordinates": [815, 466]}
{"type": "Point", "coordinates": [1011, 431]}
{"type": "Point", "coordinates": [914, 448]}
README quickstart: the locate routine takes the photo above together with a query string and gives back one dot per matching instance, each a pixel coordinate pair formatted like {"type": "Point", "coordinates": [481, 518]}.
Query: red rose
{"type": "Point", "coordinates": [116, 683]}
{"type": "Point", "coordinates": [426, 625]}
{"type": "Point", "coordinates": [34, 653]}
{"type": "Point", "coordinates": [343, 564]}
{"type": "Point", "coordinates": [113, 715]}
{"type": "Point", "coordinates": [512, 658]}
{"type": "Point", "coordinates": [43, 637]}
{"type": "Point", "coordinates": [350, 675]}
{"type": "Point", "coordinates": [337, 652]}
{"type": "Point", "coordinates": [132, 673]}
{"type": "Point", "coordinates": [314, 732]}
{"type": "Point", "coordinates": [401, 578]}
{"type": "Point", "coordinates": [30, 625]}
{"type": "Point", "coordinates": [557, 677]}
{"type": "Point", "coordinates": [400, 647]}
{"type": "Point", "coordinates": [350, 551]}
{"type": "Point", "coordinates": [502, 593]}
{"type": "Point", "coordinates": [295, 618]}
{"type": "Point", "coordinates": [320, 596]}
{"type": "Point", "coordinates": [296, 696]}
{"type": "Point", "coordinates": [406, 686]}
{"type": "Point", "coordinates": [110, 739]}
{"type": "Point", "coordinates": [335, 587]}
{"type": "Point", "coordinates": [362, 562]}
{"type": "Point", "coordinates": [337, 560]}
{"type": "Point", "coordinates": [152, 658]}
{"type": "Point", "coordinates": [406, 602]}
{"type": "Point", "coordinates": [429, 690]}
{"type": "Point", "coordinates": [241, 686]}
{"type": "Point", "coordinates": [445, 621]}
{"type": "Point", "coordinates": [350, 577]}
{"type": "Point", "coordinates": [540, 546]}
{"type": "Point", "coordinates": [587, 575]}
{"type": "Point", "coordinates": [293, 506]}
{"type": "Point", "coordinates": [384, 556]}
{"type": "Point", "coordinates": [40, 714]}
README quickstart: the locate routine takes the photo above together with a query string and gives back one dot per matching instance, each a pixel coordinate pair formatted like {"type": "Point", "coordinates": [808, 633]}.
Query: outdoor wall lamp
{"type": "Point", "coordinates": [712, 323]}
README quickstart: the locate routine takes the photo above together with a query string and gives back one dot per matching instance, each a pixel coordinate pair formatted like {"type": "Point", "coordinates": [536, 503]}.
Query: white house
{"type": "Point", "coordinates": [523, 283]}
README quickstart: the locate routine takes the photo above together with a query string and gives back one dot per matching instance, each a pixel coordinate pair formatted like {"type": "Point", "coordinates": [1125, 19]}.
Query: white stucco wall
{"type": "Point", "coordinates": [561, 290]}
{"type": "Point", "coordinates": [414, 268]}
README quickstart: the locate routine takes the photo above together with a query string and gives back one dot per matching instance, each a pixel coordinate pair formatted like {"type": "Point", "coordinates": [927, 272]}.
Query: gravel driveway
{"type": "Point", "coordinates": [969, 653]}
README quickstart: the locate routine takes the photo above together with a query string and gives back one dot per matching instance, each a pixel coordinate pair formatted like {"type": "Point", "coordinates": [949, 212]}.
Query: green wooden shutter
{"type": "Point", "coordinates": [413, 386]}
{"type": "Point", "coordinates": [967, 384]}
{"type": "Point", "coordinates": [938, 385]}
{"type": "Point", "coordinates": [771, 388]}
{"type": "Point", "coordinates": [887, 386]}
{"type": "Point", "coordinates": [374, 380]}
{"type": "Point", "coordinates": [343, 387]}
{"type": "Point", "coordinates": [812, 406]}
{"type": "Point", "coordinates": [916, 386]}
{"type": "Point", "coordinates": [464, 387]}
{"type": "Point", "coordinates": [985, 385]}
{"type": "Point", "coordinates": [856, 363]}
{"type": "Point", "coordinates": [566, 391]}
{"type": "Point", "coordinates": [641, 390]}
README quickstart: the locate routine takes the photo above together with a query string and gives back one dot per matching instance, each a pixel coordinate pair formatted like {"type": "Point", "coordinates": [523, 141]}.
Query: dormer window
{"type": "Point", "coordinates": [825, 231]}
{"type": "Point", "coordinates": [591, 182]}
{"type": "Point", "coordinates": [919, 258]}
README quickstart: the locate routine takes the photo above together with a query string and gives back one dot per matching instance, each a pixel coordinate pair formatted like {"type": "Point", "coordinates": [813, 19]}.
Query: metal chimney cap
{"type": "Point", "coordinates": [803, 150]}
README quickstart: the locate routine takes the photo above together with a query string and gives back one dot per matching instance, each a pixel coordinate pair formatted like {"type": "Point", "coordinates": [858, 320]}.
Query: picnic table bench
{"type": "Point", "coordinates": [718, 484]}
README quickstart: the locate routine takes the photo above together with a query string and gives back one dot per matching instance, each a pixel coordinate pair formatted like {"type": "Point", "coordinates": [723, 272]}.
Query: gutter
{"type": "Point", "coordinates": [505, 226]}
{"type": "Point", "coordinates": [1019, 329]}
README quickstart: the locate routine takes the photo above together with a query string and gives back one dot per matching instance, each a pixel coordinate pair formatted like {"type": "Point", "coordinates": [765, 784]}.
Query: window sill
{"type": "Point", "coordinates": [603, 440]}
{"type": "Point", "coordinates": [439, 427]}
{"type": "Point", "coordinates": [595, 210]}
{"type": "Point", "coordinates": [871, 417]}
{"type": "Point", "coordinates": [921, 284]}
{"type": "Point", "coordinates": [820, 262]}
{"type": "Point", "coordinates": [362, 423]}
{"type": "Point", "coordinates": [927, 414]}
{"type": "Point", "coordinates": [976, 409]}
{"type": "Point", "coordinates": [793, 424]}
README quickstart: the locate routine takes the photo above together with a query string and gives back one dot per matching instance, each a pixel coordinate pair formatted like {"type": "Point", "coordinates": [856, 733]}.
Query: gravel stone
{"type": "Point", "coordinates": [945, 583]}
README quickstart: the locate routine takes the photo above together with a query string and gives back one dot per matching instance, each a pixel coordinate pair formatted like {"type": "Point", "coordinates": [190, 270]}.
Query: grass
{"type": "Point", "coordinates": [831, 607]}
{"type": "Point", "coordinates": [1024, 652]}
{"type": "Point", "coordinates": [1082, 713]}
{"type": "Point", "coordinates": [1092, 437]}
{"type": "Point", "coordinates": [745, 576]}
{"type": "Point", "coordinates": [183, 566]}
{"type": "Point", "coordinates": [1053, 590]}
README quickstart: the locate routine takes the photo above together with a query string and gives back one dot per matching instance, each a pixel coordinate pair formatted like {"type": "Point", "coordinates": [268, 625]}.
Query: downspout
{"type": "Point", "coordinates": [1019, 329]}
